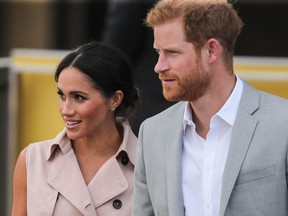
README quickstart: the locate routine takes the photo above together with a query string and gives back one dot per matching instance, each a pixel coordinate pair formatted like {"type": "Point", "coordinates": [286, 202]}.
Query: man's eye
{"type": "Point", "coordinates": [173, 52]}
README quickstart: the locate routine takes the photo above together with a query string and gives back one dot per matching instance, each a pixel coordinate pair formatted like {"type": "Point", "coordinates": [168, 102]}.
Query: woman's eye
{"type": "Point", "coordinates": [79, 97]}
{"type": "Point", "coordinates": [60, 95]}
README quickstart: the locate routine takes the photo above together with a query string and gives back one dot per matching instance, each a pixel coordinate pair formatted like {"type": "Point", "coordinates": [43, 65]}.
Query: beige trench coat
{"type": "Point", "coordinates": [55, 185]}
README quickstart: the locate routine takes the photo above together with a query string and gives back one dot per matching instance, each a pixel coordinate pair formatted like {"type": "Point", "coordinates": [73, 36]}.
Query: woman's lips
{"type": "Point", "coordinates": [72, 123]}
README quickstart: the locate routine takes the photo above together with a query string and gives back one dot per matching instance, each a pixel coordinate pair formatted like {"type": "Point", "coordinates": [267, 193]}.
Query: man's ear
{"type": "Point", "coordinates": [214, 50]}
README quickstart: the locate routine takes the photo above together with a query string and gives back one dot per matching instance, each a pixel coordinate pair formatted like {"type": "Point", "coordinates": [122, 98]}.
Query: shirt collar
{"type": "Point", "coordinates": [228, 112]}
{"type": "Point", "coordinates": [188, 119]}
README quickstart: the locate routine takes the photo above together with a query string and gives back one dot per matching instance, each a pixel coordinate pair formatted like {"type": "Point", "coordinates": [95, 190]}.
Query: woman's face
{"type": "Point", "coordinates": [84, 110]}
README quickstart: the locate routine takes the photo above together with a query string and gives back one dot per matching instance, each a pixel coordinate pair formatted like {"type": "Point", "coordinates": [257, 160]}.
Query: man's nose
{"type": "Point", "coordinates": [161, 65]}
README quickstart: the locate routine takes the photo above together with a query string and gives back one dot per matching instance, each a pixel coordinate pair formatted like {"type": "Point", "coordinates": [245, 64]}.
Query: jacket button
{"type": "Point", "coordinates": [125, 160]}
{"type": "Point", "coordinates": [117, 204]}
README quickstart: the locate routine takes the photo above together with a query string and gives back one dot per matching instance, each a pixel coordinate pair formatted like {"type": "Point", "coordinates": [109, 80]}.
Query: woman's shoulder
{"type": "Point", "coordinates": [45, 148]}
{"type": "Point", "coordinates": [39, 146]}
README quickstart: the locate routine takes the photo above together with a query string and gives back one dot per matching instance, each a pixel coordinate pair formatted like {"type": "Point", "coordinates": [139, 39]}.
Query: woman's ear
{"type": "Point", "coordinates": [116, 99]}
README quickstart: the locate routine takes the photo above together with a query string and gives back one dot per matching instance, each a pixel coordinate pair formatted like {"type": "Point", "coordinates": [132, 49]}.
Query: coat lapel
{"type": "Point", "coordinates": [242, 134]}
{"type": "Point", "coordinates": [77, 193]}
{"type": "Point", "coordinates": [107, 183]}
{"type": "Point", "coordinates": [174, 163]}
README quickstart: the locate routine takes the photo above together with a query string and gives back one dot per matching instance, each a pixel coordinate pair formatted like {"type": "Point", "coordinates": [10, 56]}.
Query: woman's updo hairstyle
{"type": "Point", "coordinates": [108, 69]}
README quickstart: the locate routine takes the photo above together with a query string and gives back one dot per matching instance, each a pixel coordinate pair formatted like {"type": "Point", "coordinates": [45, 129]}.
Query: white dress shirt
{"type": "Point", "coordinates": [203, 160]}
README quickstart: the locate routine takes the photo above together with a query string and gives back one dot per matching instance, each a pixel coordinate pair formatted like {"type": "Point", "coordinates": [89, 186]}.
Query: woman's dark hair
{"type": "Point", "coordinates": [108, 69]}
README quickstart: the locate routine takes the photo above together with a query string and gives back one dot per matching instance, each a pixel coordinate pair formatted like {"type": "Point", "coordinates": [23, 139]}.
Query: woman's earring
{"type": "Point", "coordinates": [112, 109]}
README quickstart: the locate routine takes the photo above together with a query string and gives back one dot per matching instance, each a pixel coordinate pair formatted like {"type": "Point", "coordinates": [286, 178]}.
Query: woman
{"type": "Point", "coordinates": [88, 168]}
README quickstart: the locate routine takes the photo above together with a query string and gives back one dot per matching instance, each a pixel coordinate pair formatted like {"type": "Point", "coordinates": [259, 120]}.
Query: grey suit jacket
{"type": "Point", "coordinates": [255, 175]}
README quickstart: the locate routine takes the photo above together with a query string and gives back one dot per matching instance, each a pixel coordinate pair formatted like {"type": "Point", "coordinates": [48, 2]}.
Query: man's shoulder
{"type": "Point", "coordinates": [163, 126]}
{"type": "Point", "coordinates": [252, 95]}
{"type": "Point", "coordinates": [274, 106]}
{"type": "Point", "coordinates": [274, 98]}
{"type": "Point", "coordinates": [175, 111]}
{"type": "Point", "coordinates": [264, 104]}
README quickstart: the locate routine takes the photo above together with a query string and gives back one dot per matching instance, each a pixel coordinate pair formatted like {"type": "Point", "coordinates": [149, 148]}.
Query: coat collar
{"type": "Point", "coordinates": [108, 182]}
{"type": "Point", "coordinates": [129, 142]}
{"type": "Point", "coordinates": [128, 145]}
{"type": "Point", "coordinates": [67, 180]}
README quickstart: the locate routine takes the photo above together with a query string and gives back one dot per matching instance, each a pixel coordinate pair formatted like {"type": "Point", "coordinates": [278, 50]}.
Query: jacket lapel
{"type": "Point", "coordinates": [174, 163]}
{"type": "Point", "coordinates": [77, 193]}
{"type": "Point", "coordinates": [242, 134]}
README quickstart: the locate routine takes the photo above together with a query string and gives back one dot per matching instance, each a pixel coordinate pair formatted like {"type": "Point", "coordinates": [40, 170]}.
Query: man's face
{"type": "Point", "coordinates": [179, 66]}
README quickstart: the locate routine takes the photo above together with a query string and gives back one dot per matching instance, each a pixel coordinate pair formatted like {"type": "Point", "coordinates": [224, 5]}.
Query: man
{"type": "Point", "coordinates": [222, 150]}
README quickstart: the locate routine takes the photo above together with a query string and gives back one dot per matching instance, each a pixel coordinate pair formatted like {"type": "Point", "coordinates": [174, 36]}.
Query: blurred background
{"type": "Point", "coordinates": [36, 34]}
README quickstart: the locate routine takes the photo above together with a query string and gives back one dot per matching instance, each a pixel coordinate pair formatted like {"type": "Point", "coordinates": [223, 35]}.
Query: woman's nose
{"type": "Point", "coordinates": [66, 108]}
